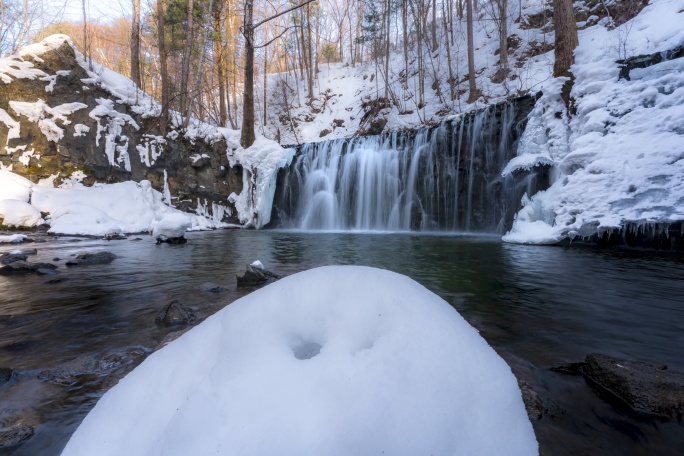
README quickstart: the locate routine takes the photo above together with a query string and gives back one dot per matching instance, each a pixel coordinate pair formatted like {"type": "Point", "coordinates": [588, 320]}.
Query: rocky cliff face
{"type": "Point", "coordinates": [58, 118]}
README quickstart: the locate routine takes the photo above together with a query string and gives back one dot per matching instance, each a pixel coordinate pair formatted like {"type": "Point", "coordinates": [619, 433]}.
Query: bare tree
{"type": "Point", "coordinates": [566, 36]}
{"type": "Point", "coordinates": [473, 95]}
{"type": "Point", "coordinates": [247, 136]}
{"type": "Point", "coordinates": [187, 57]}
{"type": "Point", "coordinates": [163, 68]}
{"type": "Point", "coordinates": [135, 43]}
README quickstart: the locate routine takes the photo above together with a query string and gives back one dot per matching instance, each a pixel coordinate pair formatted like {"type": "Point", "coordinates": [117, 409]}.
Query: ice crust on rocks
{"type": "Point", "coordinates": [337, 360]}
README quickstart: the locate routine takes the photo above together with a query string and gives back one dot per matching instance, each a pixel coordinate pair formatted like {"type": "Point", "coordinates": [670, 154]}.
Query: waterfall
{"type": "Point", "coordinates": [446, 178]}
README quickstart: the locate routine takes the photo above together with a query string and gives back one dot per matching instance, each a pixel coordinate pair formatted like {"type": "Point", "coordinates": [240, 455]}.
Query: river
{"type": "Point", "coordinates": [537, 306]}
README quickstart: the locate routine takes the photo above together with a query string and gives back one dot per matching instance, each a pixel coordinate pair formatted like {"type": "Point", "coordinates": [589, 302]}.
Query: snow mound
{"type": "Point", "coordinates": [366, 361]}
{"type": "Point", "coordinates": [19, 213]}
{"type": "Point", "coordinates": [172, 225]}
{"type": "Point", "coordinates": [15, 187]}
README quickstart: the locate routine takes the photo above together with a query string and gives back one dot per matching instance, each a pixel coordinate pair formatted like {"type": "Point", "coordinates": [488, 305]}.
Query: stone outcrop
{"type": "Point", "coordinates": [64, 120]}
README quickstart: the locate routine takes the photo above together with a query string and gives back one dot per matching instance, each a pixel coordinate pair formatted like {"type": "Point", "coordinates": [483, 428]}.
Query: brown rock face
{"type": "Point", "coordinates": [86, 136]}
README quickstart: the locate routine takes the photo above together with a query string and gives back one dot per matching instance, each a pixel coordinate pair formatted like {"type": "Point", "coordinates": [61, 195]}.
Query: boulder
{"type": "Point", "coordinates": [92, 258]}
{"type": "Point", "coordinates": [212, 288]}
{"type": "Point", "coordinates": [256, 275]}
{"type": "Point", "coordinates": [175, 313]}
{"type": "Point", "coordinates": [646, 388]}
{"type": "Point", "coordinates": [533, 404]}
{"type": "Point", "coordinates": [9, 258]}
{"type": "Point", "coordinates": [22, 267]}
{"type": "Point", "coordinates": [5, 375]}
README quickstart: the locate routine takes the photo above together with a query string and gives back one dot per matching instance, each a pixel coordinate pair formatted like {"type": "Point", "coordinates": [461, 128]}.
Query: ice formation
{"type": "Point", "coordinates": [339, 360]}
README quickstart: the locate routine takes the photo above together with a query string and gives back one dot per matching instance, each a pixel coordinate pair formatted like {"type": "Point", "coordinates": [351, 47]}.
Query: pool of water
{"type": "Point", "coordinates": [537, 306]}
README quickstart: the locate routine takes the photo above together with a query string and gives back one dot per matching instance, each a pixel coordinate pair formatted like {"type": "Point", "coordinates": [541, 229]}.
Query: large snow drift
{"type": "Point", "coordinates": [331, 361]}
{"type": "Point", "coordinates": [619, 160]}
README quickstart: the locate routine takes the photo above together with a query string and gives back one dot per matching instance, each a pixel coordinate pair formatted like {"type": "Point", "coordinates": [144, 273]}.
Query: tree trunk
{"type": "Point", "coordinates": [434, 25]}
{"type": "Point", "coordinates": [265, 72]}
{"type": "Point", "coordinates": [472, 96]}
{"type": "Point", "coordinates": [247, 136]}
{"type": "Point", "coordinates": [135, 44]}
{"type": "Point", "coordinates": [185, 74]}
{"type": "Point", "coordinates": [163, 69]}
{"type": "Point", "coordinates": [566, 36]}
{"type": "Point", "coordinates": [310, 49]}
{"type": "Point", "coordinates": [220, 74]}
{"type": "Point", "coordinates": [503, 34]}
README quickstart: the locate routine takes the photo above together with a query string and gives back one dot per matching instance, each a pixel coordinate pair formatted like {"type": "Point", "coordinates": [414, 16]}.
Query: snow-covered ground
{"type": "Point", "coordinates": [341, 88]}
{"type": "Point", "coordinates": [366, 361]}
{"type": "Point", "coordinates": [261, 161]}
{"type": "Point", "coordinates": [619, 160]}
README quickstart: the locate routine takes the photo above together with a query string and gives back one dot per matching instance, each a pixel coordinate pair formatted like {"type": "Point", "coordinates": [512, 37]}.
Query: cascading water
{"type": "Point", "coordinates": [446, 178]}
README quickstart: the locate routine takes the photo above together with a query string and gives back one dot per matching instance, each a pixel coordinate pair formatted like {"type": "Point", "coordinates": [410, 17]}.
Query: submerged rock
{"type": "Point", "coordinates": [5, 375]}
{"type": "Point", "coordinates": [14, 435]}
{"type": "Point", "coordinates": [9, 258]}
{"type": "Point", "coordinates": [103, 364]}
{"type": "Point", "coordinates": [92, 258]}
{"type": "Point", "coordinates": [22, 267]}
{"type": "Point", "coordinates": [175, 313]}
{"type": "Point", "coordinates": [533, 404]}
{"type": "Point", "coordinates": [171, 240]}
{"type": "Point", "coordinates": [212, 288]}
{"type": "Point", "coordinates": [646, 388]}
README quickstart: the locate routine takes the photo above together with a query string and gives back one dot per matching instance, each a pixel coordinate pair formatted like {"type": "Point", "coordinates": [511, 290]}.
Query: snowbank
{"type": "Point", "coordinates": [172, 225]}
{"type": "Point", "coordinates": [620, 159]}
{"type": "Point", "coordinates": [365, 361]}
{"type": "Point", "coordinates": [125, 207]}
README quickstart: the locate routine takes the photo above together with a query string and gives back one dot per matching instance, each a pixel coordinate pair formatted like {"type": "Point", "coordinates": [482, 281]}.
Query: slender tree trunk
{"type": "Point", "coordinates": [472, 96]}
{"type": "Point", "coordinates": [265, 72]}
{"type": "Point", "coordinates": [566, 36]}
{"type": "Point", "coordinates": [185, 74]}
{"type": "Point", "coordinates": [404, 26]}
{"type": "Point", "coordinates": [387, 51]}
{"type": "Point", "coordinates": [310, 56]}
{"type": "Point", "coordinates": [448, 50]}
{"type": "Point", "coordinates": [503, 34]}
{"type": "Point", "coordinates": [434, 25]}
{"type": "Point", "coordinates": [220, 74]}
{"type": "Point", "coordinates": [247, 136]}
{"type": "Point", "coordinates": [135, 43]}
{"type": "Point", "coordinates": [163, 69]}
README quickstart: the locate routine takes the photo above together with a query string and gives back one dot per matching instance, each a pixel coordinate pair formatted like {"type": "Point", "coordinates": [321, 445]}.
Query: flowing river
{"type": "Point", "coordinates": [537, 306]}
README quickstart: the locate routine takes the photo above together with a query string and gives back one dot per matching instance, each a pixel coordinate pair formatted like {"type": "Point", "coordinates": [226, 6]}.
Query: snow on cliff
{"type": "Point", "coordinates": [261, 161]}
{"type": "Point", "coordinates": [619, 160]}
{"type": "Point", "coordinates": [364, 362]}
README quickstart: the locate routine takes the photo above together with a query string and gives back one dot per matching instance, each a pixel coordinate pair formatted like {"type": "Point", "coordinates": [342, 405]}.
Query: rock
{"type": "Point", "coordinates": [175, 313]}
{"type": "Point", "coordinates": [44, 271]}
{"type": "Point", "coordinates": [5, 375]}
{"type": "Point", "coordinates": [92, 258]}
{"type": "Point", "coordinates": [9, 258]}
{"type": "Point", "coordinates": [170, 337]}
{"type": "Point", "coordinates": [256, 274]}
{"type": "Point", "coordinates": [69, 372]}
{"type": "Point", "coordinates": [58, 280]}
{"type": "Point", "coordinates": [25, 252]}
{"type": "Point", "coordinates": [533, 405]}
{"type": "Point", "coordinates": [171, 240]}
{"type": "Point", "coordinates": [15, 435]}
{"type": "Point", "coordinates": [212, 288]}
{"type": "Point", "coordinates": [22, 267]}
{"type": "Point", "coordinates": [56, 259]}
{"type": "Point", "coordinates": [646, 388]}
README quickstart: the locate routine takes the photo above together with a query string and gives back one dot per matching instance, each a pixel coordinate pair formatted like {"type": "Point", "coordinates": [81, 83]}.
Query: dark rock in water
{"type": "Point", "coordinates": [5, 375]}
{"type": "Point", "coordinates": [171, 240]}
{"type": "Point", "coordinates": [212, 288]}
{"type": "Point", "coordinates": [57, 280]}
{"type": "Point", "coordinates": [170, 337]}
{"type": "Point", "coordinates": [136, 239]}
{"type": "Point", "coordinates": [256, 276]}
{"type": "Point", "coordinates": [56, 259]}
{"type": "Point", "coordinates": [29, 252]}
{"type": "Point", "coordinates": [646, 388]}
{"type": "Point", "coordinates": [9, 258]}
{"type": "Point", "coordinates": [175, 313]}
{"type": "Point", "coordinates": [533, 405]}
{"type": "Point", "coordinates": [15, 435]}
{"type": "Point", "coordinates": [92, 258]}
{"type": "Point", "coordinates": [69, 372]}
{"type": "Point", "coordinates": [21, 266]}
{"type": "Point", "coordinates": [46, 271]}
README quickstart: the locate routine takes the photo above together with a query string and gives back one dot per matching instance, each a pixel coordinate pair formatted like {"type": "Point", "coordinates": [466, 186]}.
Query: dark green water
{"type": "Point", "coordinates": [537, 306]}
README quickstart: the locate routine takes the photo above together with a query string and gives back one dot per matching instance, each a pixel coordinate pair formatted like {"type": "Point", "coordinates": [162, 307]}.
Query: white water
{"type": "Point", "coordinates": [442, 179]}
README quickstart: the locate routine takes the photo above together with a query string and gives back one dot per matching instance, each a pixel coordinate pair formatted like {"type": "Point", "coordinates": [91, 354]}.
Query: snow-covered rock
{"type": "Point", "coordinates": [173, 225]}
{"type": "Point", "coordinates": [332, 361]}
{"type": "Point", "coordinates": [19, 213]}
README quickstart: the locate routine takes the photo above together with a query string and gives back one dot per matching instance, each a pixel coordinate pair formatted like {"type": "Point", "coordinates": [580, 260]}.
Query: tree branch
{"type": "Point", "coordinates": [281, 13]}
{"type": "Point", "coordinates": [271, 41]}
